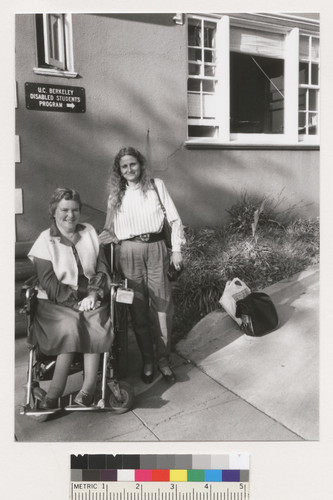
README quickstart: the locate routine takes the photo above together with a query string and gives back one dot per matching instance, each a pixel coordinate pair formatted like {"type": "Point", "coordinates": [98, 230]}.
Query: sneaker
{"type": "Point", "coordinates": [83, 399]}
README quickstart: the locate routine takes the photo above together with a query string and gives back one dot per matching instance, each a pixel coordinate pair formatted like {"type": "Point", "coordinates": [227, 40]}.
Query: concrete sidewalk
{"type": "Point", "coordinates": [230, 387]}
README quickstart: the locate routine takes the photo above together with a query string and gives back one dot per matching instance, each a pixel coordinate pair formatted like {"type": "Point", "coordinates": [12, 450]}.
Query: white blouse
{"type": "Point", "coordinates": [141, 213]}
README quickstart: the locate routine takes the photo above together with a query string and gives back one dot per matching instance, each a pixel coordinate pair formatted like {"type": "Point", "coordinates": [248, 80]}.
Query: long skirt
{"type": "Point", "coordinates": [58, 329]}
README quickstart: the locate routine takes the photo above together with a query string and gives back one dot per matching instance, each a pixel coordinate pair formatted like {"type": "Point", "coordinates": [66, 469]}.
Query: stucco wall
{"type": "Point", "coordinates": [133, 70]}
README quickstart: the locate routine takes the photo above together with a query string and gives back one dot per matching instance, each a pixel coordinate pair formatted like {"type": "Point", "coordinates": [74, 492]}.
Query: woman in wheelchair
{"type": "Point", "coordinates": [70, 315]}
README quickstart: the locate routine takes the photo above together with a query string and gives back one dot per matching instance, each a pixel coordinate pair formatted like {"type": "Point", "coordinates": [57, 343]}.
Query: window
{"type": "Point", "coordinates": [308, 85]}
{"type": "Point", "coordinates": [54, 45]}
{"type": "Point", "coordinates": [252, 79]}
{"type": "Point", "coordinates": [201, 80]}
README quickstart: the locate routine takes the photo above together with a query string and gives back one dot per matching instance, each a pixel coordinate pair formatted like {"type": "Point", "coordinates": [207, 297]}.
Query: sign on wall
{"type": "Point", "coordinates": [49, 97]}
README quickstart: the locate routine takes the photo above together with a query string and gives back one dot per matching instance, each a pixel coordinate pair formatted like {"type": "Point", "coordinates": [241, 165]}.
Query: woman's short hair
{"type": "Point", "coordinates": [63, 194]}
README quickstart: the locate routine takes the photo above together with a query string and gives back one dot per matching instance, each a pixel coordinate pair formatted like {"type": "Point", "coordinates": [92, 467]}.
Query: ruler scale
{"type": "Point", "coordinates": [103, 491]}
{"type": "Point", "coordinates": [160, 477]}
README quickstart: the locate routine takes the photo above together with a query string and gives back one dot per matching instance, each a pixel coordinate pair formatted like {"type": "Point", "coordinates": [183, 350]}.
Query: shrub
{"type": "Point", "coordinates": [276, 249]}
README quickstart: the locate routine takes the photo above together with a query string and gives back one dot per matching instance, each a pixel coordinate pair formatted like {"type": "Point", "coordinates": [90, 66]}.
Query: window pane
{"type": "Point", "coordinates": [194, 108]}
{"type": "Point", "coordinates": [304, 73]}
{"type": "Point", "coordinates": [193, 84]}
{"type": "Point", "coordinates": [256, 88]}
{"type": "Point", "coordinates": [313, 119]}
{"type": "Point", "coordinates": [315, 49]}
{"type": "Point", "coordinates": [40, 40]}
{"type": "Point", "coordinates": [54, 37]}
{"type": "Point", "coordinates": [194, 54]}
{"type": "Point", "coordinates": [302, 99]}
{"type": "Point", "coordinates": [209, 70]}
{"type": "Point", "coordinates": [314, 74]}
{"type": "Point", "coordinates": [304, 47]}
{"type": "Point", "coordinates": [209, 56]}
{"type": "Point", "coordinates": [209, 33]}
{"type": "Point", "coordinates": [198, 131]}
{"type": "Point", "coordinates": [194, 33]}
{"type": "Point", "coordinates": [256, 42]}
{"type": "Point", "coordinates": [194, 69]}
{"type": "Point", "coordinates": [301, 123]}
{"type": "Point", "coordinates": [209, 108]}
{"type": "Point", "coordinates": [208, 86]}
{"type": "Point", "coordinates": [313, 106]}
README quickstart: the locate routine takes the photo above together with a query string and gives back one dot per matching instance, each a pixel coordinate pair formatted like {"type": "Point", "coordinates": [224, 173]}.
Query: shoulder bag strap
{"type": "Point", "coordinates": [159, 198]}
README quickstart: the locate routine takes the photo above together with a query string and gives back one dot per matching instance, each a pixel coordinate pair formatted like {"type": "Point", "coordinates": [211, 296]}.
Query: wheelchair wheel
{"type": "Point", "coordinates": [126, 400]}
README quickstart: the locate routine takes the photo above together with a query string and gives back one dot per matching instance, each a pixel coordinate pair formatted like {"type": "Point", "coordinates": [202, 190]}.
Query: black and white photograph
{"type": "Point", "coordinates": [167, 235]}
{"type": "Point", "coordinates": [167, 227]}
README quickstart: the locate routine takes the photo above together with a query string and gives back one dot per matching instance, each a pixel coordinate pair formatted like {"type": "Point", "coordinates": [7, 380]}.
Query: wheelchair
{"type": "Point", "coordinates": [112, 394]}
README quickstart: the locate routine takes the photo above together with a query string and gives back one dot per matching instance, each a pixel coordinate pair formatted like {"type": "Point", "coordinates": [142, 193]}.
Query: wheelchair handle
{"type": "Point", "coordinates": [112, 258]}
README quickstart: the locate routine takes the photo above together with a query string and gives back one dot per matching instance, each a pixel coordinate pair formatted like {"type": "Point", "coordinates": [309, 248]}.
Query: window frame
{"type": "Point", "coordinates": [310, 86]}
{"type": "Point", "coordinates": [64, 65]}
{"type": "Point", "coordinates": [292, 27]}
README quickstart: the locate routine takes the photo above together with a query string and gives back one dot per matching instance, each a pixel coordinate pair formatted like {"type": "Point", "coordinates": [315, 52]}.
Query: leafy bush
{"type": "Point", "coordinates": [273, 249]}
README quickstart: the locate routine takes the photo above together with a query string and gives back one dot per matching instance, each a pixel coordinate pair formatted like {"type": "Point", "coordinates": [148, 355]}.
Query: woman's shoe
{"type": "Point", "coordinates": [147, 378]}
{"type": "Point", "coordinates": [48, 403]}
{"type": "Point", "coordinates": [83, 399]}
{"type": "Point", "coordinates": [168, 374]}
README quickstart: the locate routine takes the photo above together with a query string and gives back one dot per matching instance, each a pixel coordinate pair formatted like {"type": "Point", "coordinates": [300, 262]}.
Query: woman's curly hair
{"type": "Point", "coordinates": [118, 182]}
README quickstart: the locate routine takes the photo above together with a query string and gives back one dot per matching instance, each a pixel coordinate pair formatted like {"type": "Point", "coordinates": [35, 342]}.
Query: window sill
{"type": "Point", "coordinates": [55, 72]}
{"type": "Point", "coordinates": [214, 144]}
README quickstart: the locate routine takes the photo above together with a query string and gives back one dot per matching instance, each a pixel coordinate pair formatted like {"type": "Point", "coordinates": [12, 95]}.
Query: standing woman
{"type": "Point", "coordinates": [70, 314]}
{"type": "Point", "coordinates": [135, 220]}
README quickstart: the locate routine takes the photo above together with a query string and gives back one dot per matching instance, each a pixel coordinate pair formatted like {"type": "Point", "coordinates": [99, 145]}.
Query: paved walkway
{"type": "Point", "coordinates": [230, 387]}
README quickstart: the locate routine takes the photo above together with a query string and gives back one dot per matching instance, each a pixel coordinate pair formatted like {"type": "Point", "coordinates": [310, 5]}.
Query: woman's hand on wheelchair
{"type": "Point", "coordinates": [107, 237]}
{"type": "Point", "coordinates": [89, 303]}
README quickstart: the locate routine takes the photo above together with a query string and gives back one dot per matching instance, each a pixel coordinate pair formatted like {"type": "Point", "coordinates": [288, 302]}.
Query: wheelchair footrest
{"type": "Point", "coordinates": [36, 413]}
{"type": "Point", "coordinates": [82, 408]}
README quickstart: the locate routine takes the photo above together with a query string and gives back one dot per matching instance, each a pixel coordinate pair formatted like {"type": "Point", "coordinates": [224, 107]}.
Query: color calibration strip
{"type": "Point", "coordinates": [161, 468]}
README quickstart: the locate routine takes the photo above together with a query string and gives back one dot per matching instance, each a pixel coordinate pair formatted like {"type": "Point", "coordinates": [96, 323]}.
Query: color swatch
{"type": "Point", "coordinates": [162, 468]}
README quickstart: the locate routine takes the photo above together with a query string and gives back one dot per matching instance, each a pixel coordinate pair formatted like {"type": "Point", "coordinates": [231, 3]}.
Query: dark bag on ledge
{"type": "Point", "coordinates": [258, 314]}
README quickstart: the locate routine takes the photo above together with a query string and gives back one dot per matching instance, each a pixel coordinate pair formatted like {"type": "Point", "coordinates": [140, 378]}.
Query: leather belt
{"type": "Point", "coordinates": [147, 237]}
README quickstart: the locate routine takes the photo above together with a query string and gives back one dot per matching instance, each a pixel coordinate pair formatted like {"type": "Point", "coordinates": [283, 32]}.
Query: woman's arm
{"type": "Point", "coordinates": [98, 285]}
{"type": "Point", "coordinates": [100, 282]}
{"type": "Point", "coordinates": [57, 292]}
{"type": "Point", "coordinates": [107, 235]}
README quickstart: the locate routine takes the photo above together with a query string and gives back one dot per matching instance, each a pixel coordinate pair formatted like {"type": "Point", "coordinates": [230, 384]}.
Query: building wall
{"type": "Point", "coordinates": [133, 69]}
